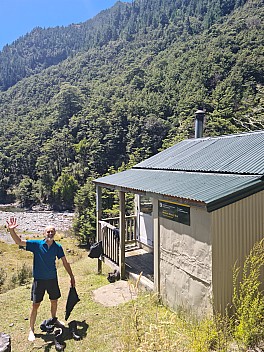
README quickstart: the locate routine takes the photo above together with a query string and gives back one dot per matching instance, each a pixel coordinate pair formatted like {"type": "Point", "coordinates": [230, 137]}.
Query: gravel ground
{"type": "Point", "coordinates": [34, 222]}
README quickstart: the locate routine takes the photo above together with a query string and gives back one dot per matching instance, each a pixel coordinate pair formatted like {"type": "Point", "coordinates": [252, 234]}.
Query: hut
{"type": "Point", "coordinates": [200, 210]}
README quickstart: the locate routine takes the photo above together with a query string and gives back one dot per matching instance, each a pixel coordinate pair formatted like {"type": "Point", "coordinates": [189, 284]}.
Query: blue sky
{"type": "Point", "coordinates": [18, 17]}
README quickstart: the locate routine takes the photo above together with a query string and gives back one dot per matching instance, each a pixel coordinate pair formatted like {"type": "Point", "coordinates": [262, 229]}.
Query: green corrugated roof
{"type": "Point", "coordinates": [213, 172]}
{"type": "Point", "coordinates": [239, 154]}
{"type": "Point", "coordinates": [210, 190]}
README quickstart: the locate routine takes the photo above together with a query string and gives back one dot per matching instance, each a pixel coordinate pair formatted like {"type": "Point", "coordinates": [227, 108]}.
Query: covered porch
{"type": "Point", "coordinates": [122, 250]}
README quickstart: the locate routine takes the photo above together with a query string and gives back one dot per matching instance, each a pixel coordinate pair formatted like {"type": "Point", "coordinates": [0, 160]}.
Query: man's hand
{"type": "Point", "coordinates": [72, 281]}
{"type": "Point", "coordinates": [11, 223]}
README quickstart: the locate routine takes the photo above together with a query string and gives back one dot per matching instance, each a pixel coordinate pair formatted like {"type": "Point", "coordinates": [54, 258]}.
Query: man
{"type": "Point", "coordinates": [44, 270]}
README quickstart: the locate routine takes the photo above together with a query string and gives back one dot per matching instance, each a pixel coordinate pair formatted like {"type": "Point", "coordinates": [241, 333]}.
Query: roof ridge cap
{"type": "Point", "coordinates": [240, 134]}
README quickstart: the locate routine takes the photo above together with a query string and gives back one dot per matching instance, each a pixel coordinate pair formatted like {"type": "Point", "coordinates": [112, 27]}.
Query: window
{"type": "Point", "coordinates": [146, 205]}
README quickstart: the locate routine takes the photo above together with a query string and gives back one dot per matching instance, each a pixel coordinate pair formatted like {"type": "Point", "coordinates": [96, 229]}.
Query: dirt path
{"type": "Point", "coordinates": [34, 222]}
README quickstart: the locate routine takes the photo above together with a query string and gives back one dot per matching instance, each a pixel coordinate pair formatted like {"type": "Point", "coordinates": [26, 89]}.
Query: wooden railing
{"type": "Point", "coordinates": [109, 234]}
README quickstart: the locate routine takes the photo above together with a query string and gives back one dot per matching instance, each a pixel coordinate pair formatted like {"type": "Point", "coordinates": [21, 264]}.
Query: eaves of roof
{"type": "Point", "coordinates": [212, 191]}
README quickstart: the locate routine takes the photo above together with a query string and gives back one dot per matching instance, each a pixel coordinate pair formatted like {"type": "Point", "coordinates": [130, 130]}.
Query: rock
{"type": "Point", "coordinates": [5, 342]}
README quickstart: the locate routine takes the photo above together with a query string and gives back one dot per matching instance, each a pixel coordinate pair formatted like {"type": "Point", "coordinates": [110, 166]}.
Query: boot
{"type": "Point", "coordinates": [111, 277]}
{"type": "Point", "coordinates": [73, 330]}
{"type": "Point", "coordinates": [58, 324]}
{"type": "Point", "coordinates": [59, 343]}
{"type": "Point", "coordinates": [48, 325]}
{"type": "Point", "coordinates": [117, 275]}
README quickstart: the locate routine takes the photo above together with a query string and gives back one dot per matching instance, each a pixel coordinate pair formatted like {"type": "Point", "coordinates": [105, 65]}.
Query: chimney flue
{"type": "Point", "coordinates": [199, 121]}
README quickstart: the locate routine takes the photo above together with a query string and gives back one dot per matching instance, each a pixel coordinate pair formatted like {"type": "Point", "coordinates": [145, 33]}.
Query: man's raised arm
{"type": "Point", "coordinates": [11, 224]}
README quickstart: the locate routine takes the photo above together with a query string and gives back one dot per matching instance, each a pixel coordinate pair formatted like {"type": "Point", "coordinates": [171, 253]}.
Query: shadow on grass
{"type": "Point", "coordinates": [81, 331]}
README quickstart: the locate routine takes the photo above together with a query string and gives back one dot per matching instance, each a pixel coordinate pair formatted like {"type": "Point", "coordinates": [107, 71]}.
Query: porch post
{"type": "Point", "coordinates": [98, 217]}
{"type": "Point", "coordinates": [156, 245]}
{"type": "Point", "coordinates": [122, 234]}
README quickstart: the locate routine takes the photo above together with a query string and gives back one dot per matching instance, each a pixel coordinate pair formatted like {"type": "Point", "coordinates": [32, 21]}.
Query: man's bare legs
{"type": "Point", "coordinates": [33, 316]}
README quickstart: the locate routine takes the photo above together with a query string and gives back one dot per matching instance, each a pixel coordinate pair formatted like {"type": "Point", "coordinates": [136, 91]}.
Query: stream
{"type": "Point", "coordinates": [33, 222]}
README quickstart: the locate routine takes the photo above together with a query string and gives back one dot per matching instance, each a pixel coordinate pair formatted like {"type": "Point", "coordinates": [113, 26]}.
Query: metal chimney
{"type": "Point", "coordinates": [199, 120]}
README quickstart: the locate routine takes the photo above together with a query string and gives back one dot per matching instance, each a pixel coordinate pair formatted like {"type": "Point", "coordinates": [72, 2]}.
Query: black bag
{"type": "Point", "coordinates": [72, 300]}
{"type": "Point", "coordinates": [96, 250]}
{"type": "Point", "coordinates": [113, 277]}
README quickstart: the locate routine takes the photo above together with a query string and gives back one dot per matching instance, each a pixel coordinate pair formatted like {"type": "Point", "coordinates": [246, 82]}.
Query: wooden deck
{"type": "Point", "coordinates": [138, 260]}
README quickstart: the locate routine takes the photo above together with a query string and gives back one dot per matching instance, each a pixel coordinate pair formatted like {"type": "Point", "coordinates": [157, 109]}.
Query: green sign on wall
{"type": "Point", "coordinates": [175, 212]}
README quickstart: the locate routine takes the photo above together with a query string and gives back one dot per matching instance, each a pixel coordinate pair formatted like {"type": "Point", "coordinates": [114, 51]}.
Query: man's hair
{"type": "Point", "coordinates": [50, 227]}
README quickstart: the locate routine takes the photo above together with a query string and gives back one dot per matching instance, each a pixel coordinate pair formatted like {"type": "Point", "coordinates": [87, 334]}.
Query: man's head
{"type": "Point", "coordinates": [49, 232]}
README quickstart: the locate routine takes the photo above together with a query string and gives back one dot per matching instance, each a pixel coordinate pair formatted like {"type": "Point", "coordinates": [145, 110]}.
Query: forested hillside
{"type": "Point", "coordinates": [43, 48]}
{"type": "Point", "coordinates": [84, 100]}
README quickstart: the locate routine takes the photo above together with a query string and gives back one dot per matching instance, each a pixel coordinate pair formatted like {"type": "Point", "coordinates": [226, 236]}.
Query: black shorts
{"type": "Point", "coordinates": [39, 287]}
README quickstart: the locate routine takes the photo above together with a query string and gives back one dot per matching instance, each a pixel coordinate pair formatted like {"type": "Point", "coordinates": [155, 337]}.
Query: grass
{"type": "Point", "coordinates": [125, 327]}
{"type": "Point", "coordinates": [140, 325]}
{"type": "Point", "coordinates": [94, 318]}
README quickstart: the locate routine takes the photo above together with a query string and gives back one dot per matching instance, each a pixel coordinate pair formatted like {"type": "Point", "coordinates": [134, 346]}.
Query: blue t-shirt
{"type": "Point", "coordinates": [44, 267]}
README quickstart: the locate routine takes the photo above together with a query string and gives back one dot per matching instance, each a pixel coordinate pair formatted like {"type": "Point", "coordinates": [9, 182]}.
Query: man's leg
{"type": "Point", "coordinates": [53, 307]}
{"type": "Point", "coordinates": [53, 310]}
{"type": "Point", "coordinates": [54, 295]}
{"type": "Point", "coordinates": [33, 315]}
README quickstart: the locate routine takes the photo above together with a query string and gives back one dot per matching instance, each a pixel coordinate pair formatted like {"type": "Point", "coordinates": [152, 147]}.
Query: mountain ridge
{"type": "Point", "coordinates": [42, 48]}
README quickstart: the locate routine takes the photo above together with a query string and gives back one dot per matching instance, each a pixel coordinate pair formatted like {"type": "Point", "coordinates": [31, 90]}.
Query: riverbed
{"type": "Point", "coordinates": [34, 222]}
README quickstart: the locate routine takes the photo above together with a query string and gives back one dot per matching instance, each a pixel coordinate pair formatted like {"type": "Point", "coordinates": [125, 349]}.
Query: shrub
{"type": "Point", "coordinates": [2, 278]}
{"type": "Point", "coordinates": [248, 299]}
{"type": "Point", "coordinates": [149, 326]}
{"type": "Point", "coordinates": [84, 224]}
{"type": "Point", "coordinates": [22, 276]}
{"type": "Point", "coordinates": [203, 334]}
{"type": "Point", "coordinates": [26, 192]}
{"type": "Point", "coordinates": [64, 190]}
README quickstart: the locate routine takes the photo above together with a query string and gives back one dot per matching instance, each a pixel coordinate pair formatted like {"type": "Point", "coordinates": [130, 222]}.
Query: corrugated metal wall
{"type": "Point", "coordinates": [235, 229]}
